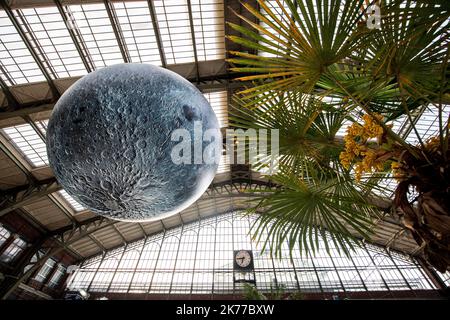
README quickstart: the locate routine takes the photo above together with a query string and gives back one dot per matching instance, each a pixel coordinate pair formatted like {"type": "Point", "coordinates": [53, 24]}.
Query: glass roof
{"type": "Point", "coordinates": [274, 7]}
{"type": "Point", "coordinates": [93, 23]}
{"type": "Point", "coordinates": [17, 65]}
{"type": "Point", "coordinates": [26, 140]}
{"type": "Point", "coordinates": [174, 26]}
{"type": "Point", "coordinates": [137, 29]}
{"type": "Point", "coordinates": [219, 103]}
{"type": "Point", "coordinates": [207, 16]}
{"type": "Point", "coordinates": [50, 38]}
{"type": "Point", "coordinates": [71, 201]}
{"type": "Point", "coordinates": [428, 124]}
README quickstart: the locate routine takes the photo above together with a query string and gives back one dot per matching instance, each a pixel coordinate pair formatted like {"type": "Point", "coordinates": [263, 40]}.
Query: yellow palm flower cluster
{"type": "Point", "coordinates": [371, 128]}
{"type": "Point", "coordinates": [357, 148]}
{"type": "Point", "coordinates": [433, 144]}
{"type": "Point", "coordinates": [397, 171]}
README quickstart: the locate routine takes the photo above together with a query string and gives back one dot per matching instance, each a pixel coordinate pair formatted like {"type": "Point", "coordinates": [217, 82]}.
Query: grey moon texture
{"type": "Point", "coordinates": [109, 142]}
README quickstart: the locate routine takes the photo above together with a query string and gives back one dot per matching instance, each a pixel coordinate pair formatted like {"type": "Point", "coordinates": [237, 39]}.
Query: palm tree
{"type": "Point", "coordinates": [315, 67]}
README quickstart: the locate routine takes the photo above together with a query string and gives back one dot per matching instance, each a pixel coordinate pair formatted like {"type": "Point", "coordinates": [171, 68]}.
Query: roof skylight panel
{"type": "Point", "coordinates": [208, 22]}
{"type": "Point", "coordinates": [49, 36]}
{"type": "Point", "coordinates": [224, 164]}
{"type": "Point", "coordinates": [428, 124]}
{"type": "Point", "coordinates": [25, 139]}
{"type": "Point", "coordinates": [274, 7]}
{"type": "Point", "coordinates": [218, 102]}
{"type": "Point", "coordinates": [98, 35]}
{"type": "Point", "coordinates": [137, 29]}
{"type": "Point", "coordinates": [71, 201]}
{"type": "Point", "coordinates": [17, 64]}
{"type": "Point", "coordinates": [174, 26]}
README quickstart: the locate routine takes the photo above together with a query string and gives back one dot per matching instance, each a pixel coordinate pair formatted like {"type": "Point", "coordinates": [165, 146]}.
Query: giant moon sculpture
{"type": "Point", "coordinates": [110, 143]}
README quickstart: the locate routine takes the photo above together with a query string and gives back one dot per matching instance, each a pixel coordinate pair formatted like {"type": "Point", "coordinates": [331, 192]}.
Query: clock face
{"type": "Point", "coordinates": [243, 258]}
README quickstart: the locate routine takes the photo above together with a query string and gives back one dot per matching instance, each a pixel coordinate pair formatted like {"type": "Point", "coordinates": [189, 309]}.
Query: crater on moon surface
{"type": "Point", "coordinates": [109, 142]}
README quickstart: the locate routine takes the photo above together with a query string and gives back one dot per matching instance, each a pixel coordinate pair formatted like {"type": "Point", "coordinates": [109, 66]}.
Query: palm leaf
{"type": "Point", "coordinates": [307, 127]}
{"type": "Point", "coordinates": [308, 210]}
{"type": "Point", "coordinates": [304, 37]}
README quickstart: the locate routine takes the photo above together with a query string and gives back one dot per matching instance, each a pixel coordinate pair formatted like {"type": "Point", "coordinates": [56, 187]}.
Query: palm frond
{"type": "Point", "coordinates": [303, 39]}
{"type": "Point", "coordinates": [309, 211]}
{"type": "Point", "coordinates": [307, 128]}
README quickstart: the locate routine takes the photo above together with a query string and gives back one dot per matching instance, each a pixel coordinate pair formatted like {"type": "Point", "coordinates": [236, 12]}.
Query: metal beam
{"type": "Point", "coordinates": [142, 229]}
{"type": "Point", "coordinates": [10, 155]}
{"type": "Point", "coordinates": [26, 110]}
{"type": "Point", "coordinates": [33, 193]}
{"type": "Point", "coordinates": [407, 126]}
{"type": "Point", "coordinates": [35, 127]}
{"type": "Point", "coordinates": [85, 223]}
{"type": "Point", "coordinates": [137, 263]}
{"type": "Point", "coordinates": [194, 45]}
{"type": "Point", "coordinates": [120, 234]}
{"type": "Point", "coordinates": [44, 231]}
{"type": "Point", "coordinates": [37, 293]}
{"type": "Point", "coordinates": [64, 210]}
{"type": "Point", "coordinates": [30, 47]}
{"type": "Point", "coordinates": [97, 242]}
{"type": "Point", "coordinates": [76, 36]}
{"type": "Point", "coordinates": [17, 281]}
{"type": "Point", "coordinates": [12, 101]}
{"type": "Point", "coordinates": [117, 31]}
{"type": "Point", "coordinates": [10, 283]}
{"type": "Point", "coordinates": [211, 82]}
{"type": "Point", "coordinates": [116, 268]}
{"type": "Point", "coordinates": [176, 260]}
{"type": "Point", "coordinates": [151, 7]}
{"type": "Point", "coordinates": [432, 274]}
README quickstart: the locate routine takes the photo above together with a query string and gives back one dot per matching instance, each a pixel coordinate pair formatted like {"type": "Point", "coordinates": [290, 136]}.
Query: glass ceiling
{"type": "Point", "coordinates": [93, 23]}
{"type": "Point", "coordinates": [208, 17]}
{"type": "Point", "coordinates": [17, 65]}
{"type": "Point", "coordinates": [137, 29]}
{"type": "Point", "coordinates": [275, 8]}
{"type": "Point", "coordinates": [26, 140]}
{"type": "Point", "coordinates": [49, 36]}
{"type": "Point", "coordinates": [47, 32]}
{"type": "Point", "coordinates": [219, 103]}
{"type": "Point", "coordinates": [174, 26]}
{"type": "Point", "coordinates": [71, 201]}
